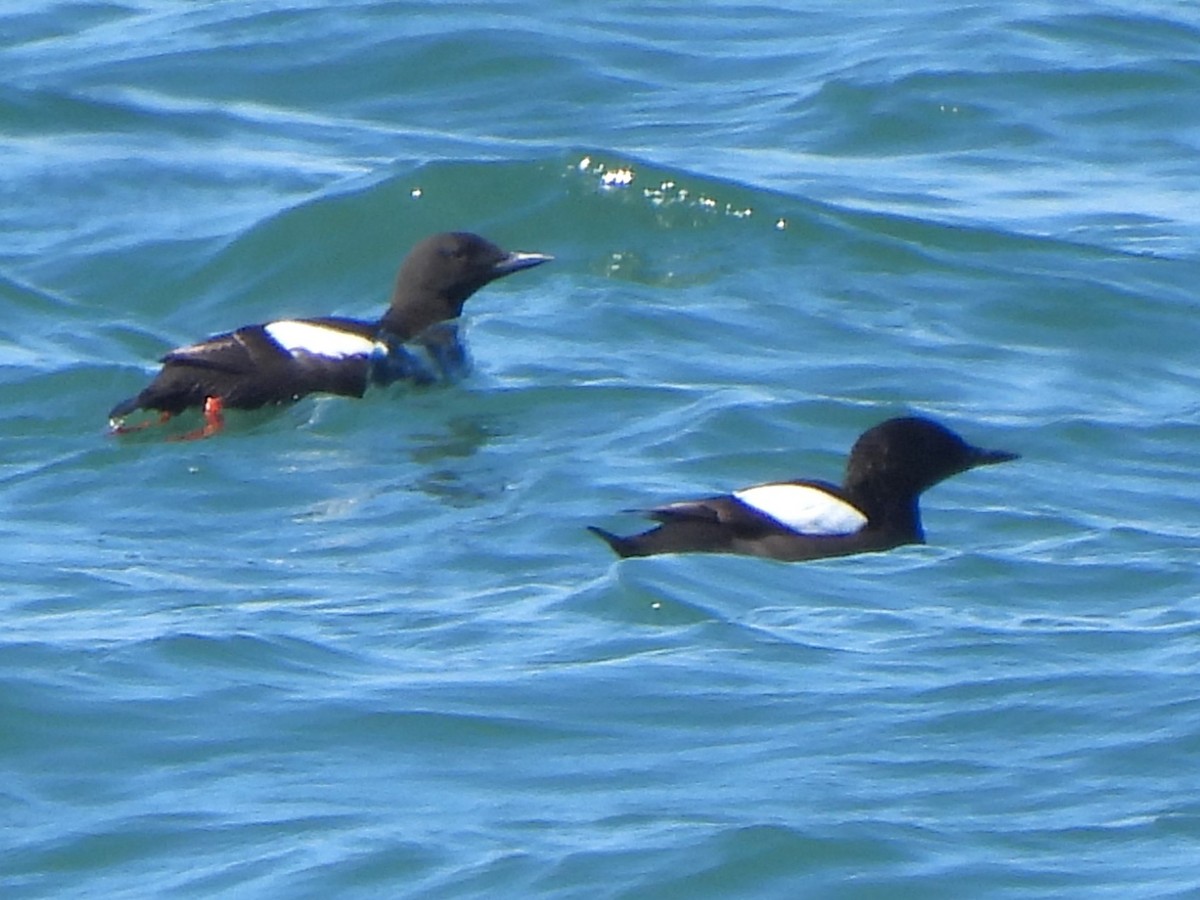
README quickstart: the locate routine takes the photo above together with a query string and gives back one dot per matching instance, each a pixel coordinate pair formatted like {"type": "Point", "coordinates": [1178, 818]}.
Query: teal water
{"type": "Point", "coordinates": [366, 649]}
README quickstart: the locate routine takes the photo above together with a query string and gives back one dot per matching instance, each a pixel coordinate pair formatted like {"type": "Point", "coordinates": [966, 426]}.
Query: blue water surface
{"type": "Point", "coordinates": [367, 648]}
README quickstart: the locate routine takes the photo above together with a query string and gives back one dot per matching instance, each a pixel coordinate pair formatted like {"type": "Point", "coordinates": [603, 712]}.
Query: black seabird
{"type": "Point", "coordinates": [282, 361]}
{"type": "Point", "coordinates": [875, 508]}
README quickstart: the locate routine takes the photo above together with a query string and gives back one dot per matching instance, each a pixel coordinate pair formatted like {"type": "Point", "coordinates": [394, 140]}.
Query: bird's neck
{"type": "Point", "coordinates": [399, 325]}
{"type": "Point", "coordinates": [897, 511]}
{"type": "Point", "coordinates": [413, 311]}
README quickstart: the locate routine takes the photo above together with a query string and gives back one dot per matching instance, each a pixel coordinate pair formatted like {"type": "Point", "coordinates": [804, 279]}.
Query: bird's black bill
{"type": "Point", "coordinates": [981, 457]}
{"type": "Point", "coordinates": [515, 262]}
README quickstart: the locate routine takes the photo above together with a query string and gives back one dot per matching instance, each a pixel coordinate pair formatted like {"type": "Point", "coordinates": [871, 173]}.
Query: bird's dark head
{"type": "Point", "coordinates": [441, 272]}
{"type": "Point", "coordinates": [912, 454]}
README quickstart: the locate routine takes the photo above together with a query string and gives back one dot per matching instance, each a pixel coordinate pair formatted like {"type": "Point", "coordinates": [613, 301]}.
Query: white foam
{"type": "Point", "coordinates": [804, 508]}
{"type": "Point", "coordinates": [320, 340]}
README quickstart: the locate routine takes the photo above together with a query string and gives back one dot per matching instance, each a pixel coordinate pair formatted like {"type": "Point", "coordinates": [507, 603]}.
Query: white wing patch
{"type": "Point", "coordinates": [320, 340]}
{"type": "Point", "coordinates": [803, 508]}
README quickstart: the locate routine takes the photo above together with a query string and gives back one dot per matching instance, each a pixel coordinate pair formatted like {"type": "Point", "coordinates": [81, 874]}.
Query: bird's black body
{"type": "Point", "coordinates": [248, 369]}
{"type": "Point", "coordinates": [875, 508]}
{"type": "Point", "coordinates": [279, 362]}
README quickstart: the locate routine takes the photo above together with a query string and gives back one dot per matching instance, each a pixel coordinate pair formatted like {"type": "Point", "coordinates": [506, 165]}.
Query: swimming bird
{"type": "Point", "coordinates": [875, 508]}
{"type": "Point", "coordinates": [284, 360]}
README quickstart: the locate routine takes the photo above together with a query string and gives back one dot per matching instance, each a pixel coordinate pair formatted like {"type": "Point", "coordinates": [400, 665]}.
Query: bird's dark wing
{"type": "Point", "coordinates": [246, 351]}
{"type": "Point", "coordinates": [723, 509]}
{"type": "Point", "coordinates": [813, 508]}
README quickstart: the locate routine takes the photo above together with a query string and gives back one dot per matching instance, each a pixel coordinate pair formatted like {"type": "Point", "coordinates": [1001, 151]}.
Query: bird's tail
{"type": "Point", "coordinates": [124, 408]}
{"type": "Point", "coordinates": [621, 546]}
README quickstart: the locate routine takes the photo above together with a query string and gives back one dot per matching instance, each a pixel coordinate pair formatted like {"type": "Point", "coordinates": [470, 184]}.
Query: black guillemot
{"type": "Point", "coordinates": [876, 507]}
{"type": "Point", "coordinates": [282, 361]}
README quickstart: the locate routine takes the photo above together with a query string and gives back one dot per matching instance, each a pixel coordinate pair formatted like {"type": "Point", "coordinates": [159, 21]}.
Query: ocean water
{"type": "Point", "coordinates": [367, 649]}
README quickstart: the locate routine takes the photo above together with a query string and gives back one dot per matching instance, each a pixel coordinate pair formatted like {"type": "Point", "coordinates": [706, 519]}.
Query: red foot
{"type": "Point", "coordinates": [130, 429]}
{"type": "Point", "coordinates": [214, 421]}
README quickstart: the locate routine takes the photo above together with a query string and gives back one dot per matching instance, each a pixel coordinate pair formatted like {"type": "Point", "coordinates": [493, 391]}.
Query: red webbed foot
{"type": "Point", "coordinates": [116, 427]}
{"type": "Point", "coordinates": [214, 421]}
